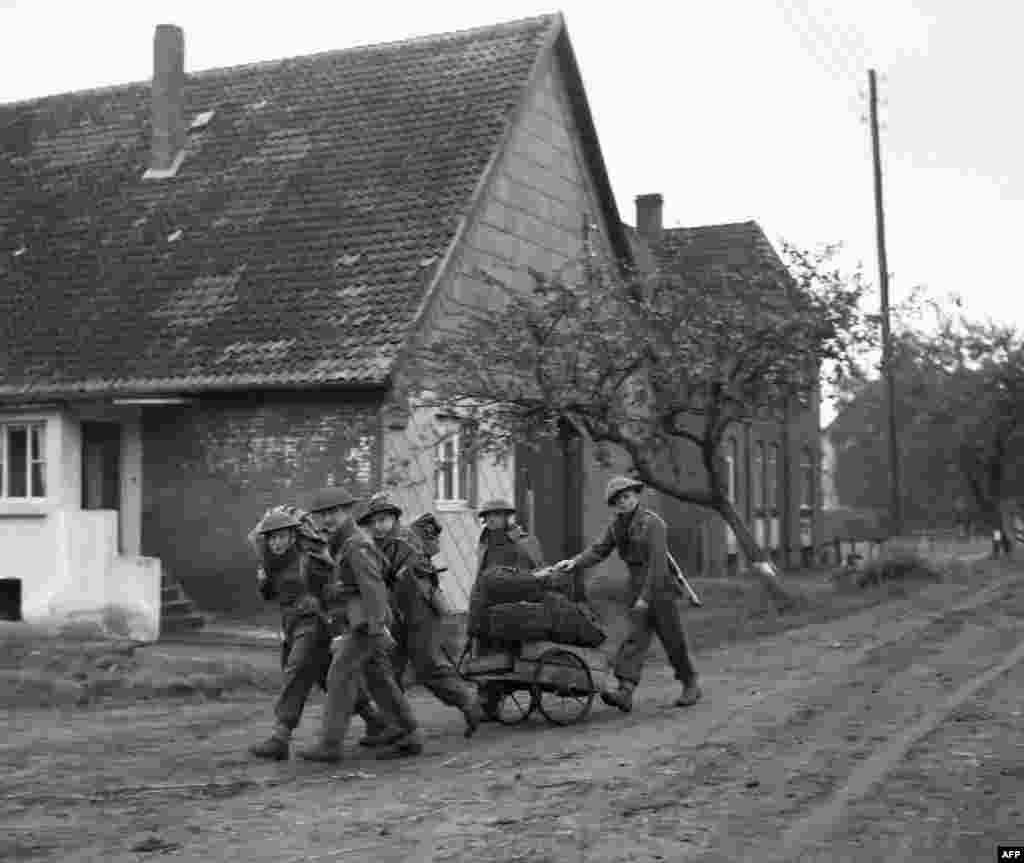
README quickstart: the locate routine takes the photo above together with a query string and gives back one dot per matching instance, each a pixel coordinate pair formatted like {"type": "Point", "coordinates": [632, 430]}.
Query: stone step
{"type": "Point", "coordinates": [177, 607]}
{"type": "Point", "coordinates": [181, 623]}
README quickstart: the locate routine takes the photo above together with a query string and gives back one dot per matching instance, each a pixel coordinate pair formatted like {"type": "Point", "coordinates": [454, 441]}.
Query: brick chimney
{"type": "Point", "coordinates": [168, 97]}
{"type": "Point", "coordinates": [648, 217]}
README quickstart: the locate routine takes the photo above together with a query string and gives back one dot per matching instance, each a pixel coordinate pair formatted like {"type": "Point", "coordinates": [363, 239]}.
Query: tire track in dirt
{"type": "Point", "coordinates": [471, 804]}
{"type": "Point", "coordinates": [820, 822]}
{"type": "Point", "coordinates": [797, 766]}
{"type": "Point", "coordinates": [957, 793]}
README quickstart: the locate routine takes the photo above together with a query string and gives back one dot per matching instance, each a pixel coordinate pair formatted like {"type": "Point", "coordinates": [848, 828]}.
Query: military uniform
{"type": "Point", "coordinates": [414, 588]}
{"type": "Point", "coordinates": [362, 655]}
{"type": "Point", "coordinates": [510, 547]}
{"type": "Point", "coordinates": [640, 537]}
{"type": "Point", "coordinates": [295, 579]}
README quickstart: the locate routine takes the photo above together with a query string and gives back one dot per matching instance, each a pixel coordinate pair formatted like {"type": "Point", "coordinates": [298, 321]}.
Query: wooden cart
{"type": "Point", "coordinates": [558, 680]}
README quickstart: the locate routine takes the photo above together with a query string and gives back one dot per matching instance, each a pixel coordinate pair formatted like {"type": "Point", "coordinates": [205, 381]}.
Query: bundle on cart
{"type": "Point", "coordinates": [502, 584]}
{"type": "Point", "coordinates": [556, 618]}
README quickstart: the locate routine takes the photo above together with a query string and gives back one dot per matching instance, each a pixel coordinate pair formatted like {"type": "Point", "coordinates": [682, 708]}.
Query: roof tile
{"type": "Point", "coordinates": [291, 247]}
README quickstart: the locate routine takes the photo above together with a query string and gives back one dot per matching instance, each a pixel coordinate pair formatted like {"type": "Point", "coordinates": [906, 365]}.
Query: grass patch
{"type": "Point", "coordinates": [37, 670]}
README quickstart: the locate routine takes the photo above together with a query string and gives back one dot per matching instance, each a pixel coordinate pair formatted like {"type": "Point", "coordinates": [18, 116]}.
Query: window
{"type": "Point", "coordinates": [22, 461]}
{"type": "Point", "coordinates": [360, 460]}
{"type": "Point", "coordinates": [772, 479]}
{"type": "Point", "coordinates": [806, 478]}
{"type": "Point", "coordinates": [758, 479]}
{"type": "Point", "coordinates": [730, 470]}
{"type": "Point", "coordinates": [455, 476]}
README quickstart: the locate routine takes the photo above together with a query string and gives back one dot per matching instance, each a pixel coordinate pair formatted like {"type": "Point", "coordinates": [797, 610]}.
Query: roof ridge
{"type": "Point", "coordinates": [550, 18]}
{"type": "Point", "coordinates": [713, 225]}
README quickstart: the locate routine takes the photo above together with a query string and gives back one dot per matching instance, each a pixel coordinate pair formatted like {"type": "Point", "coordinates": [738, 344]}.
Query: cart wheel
{"type": "Point", "coordinates": [563, 690]}
{"type": "Point", "coordinates": [506, 704]}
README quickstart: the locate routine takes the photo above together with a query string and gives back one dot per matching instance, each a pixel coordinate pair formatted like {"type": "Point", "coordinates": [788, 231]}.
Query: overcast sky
{"type": "Point", "coordinates": [733, 110]}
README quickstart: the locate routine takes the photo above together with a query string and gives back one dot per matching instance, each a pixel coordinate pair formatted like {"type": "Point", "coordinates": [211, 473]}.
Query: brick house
{"type": "Point", "coordinates": [773, 467]}
{"type": "Point", "coordinates": [208, 283]}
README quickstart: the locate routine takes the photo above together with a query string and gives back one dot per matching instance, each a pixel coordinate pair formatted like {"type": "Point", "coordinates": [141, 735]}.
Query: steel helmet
{"type": "Point", "coordinates": [427, 523]}
{"type": "Point", "coordinates": [380, 503]}
{"type": "Point", "coordinates": [277, 521]}
{"type": "Point", "coordinates": [329, 498]}
{"type": "Point", "coordinates": [618, 484]}
{"type": "Point", "coordinates": [499, 505]}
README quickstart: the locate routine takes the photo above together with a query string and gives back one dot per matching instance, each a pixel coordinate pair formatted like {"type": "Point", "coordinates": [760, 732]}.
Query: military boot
{"type": "Point", "coordinates": [381, 735]}
{"type": "Point", "coordinates": [473, 712]}
{"type": "Point", "coordinates": [409, 745]}
{"type": "Point", "coordinates": [274, 747]}
{"type": "Point", "coordinates": [691, 694]}
{"type": "Point", "coordinates": [323, 753]}
{"type": "Point", "coordinates": [621, 697]}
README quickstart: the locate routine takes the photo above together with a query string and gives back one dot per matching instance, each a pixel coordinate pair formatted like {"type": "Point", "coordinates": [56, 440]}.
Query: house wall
{"type": "Point", "coordinates": [531, 215]}
{"type": "Point", "coordinates": [409, 458]}
{"type": "Point", "coordinates": [698, 538]}
{"type": "Point", "coordinates": [68, 559]}
{"type": "Point", "coordinates": [210, 470]}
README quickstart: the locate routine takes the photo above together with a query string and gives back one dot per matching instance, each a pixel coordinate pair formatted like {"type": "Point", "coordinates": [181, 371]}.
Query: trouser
{"type": "Point", "coordinates": [305, 654]}
{"type": "Point", "coordinates": [359, 659]}
{"type": "Point", "coordinates": [420, 644]}
{"type": "Point", "coordinates": [663, 617]}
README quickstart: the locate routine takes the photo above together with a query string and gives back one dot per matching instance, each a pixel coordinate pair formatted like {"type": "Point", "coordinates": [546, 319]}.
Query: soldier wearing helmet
{"type": "Point", "coordinates": [503, 542]}
{"type": "Point", "coordinates": [655, 596]}
{"type": "Point", "coordinates": [294, 567]}
{"type": "Point", "coordinates": [413, 584]}
{"type": "Point", "coordinates": [361, 656]}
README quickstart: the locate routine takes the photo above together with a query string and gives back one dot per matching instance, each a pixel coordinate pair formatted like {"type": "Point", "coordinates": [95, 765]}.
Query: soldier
{"type": "Point", "coordinates": [414, 588]}
{"type": "Point", "coordinates": [363, 652]}
{"type": "Point", "coordinates": [502, 543]}
{"type": "Point", "coordinates": [294, 563]}
{"type": "Point", "coordinates": [505, 543]}
{"type": "Point", "coordinates": [655, 595]}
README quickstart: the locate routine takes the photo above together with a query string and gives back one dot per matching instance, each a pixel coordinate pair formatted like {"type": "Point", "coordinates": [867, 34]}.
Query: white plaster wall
{"type": "Point", "coordinates": [120, 593]}
{"type": "Point", "coordinates": [131, 487]}
{"type": "Point", "coordinates": [66, 558]}
{"type": "Point", "coordinates": [409, 478]}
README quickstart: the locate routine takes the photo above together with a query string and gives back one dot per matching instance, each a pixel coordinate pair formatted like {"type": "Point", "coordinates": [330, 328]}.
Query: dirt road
{"type": "Point", "coordinates": [894, 734]}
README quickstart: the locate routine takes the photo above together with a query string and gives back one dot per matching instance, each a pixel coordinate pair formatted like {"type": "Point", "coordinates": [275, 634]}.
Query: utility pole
{"type": "Point", "coordinates": [895, 509]}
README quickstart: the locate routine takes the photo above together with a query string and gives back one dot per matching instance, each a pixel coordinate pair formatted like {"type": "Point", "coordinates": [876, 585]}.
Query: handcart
{"type": "Point", "coordinates": [557, 680]}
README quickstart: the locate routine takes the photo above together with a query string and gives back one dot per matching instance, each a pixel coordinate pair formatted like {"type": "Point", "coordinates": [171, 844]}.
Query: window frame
{"type": "Point", "coordinates": [31, 425]}
{"type": "Point", "coordinates": [731, 477]}
{"type": "Point", "coordinates": [463, 471]}
{"type": "Point", "coordinates": [759, 480]}
{"type": "Point", "coordinates": [808, 489]}
{"type": "Point", "coordinates": [771, 472]}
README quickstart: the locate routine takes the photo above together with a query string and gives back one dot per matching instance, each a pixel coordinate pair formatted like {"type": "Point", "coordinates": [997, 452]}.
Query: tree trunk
{"type": "Point", "coordinates": [760, 564]}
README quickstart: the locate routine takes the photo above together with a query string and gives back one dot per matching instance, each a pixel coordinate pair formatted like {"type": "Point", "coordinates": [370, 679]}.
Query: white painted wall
{"type": "Point", "coordinates": [66, 558]}
{"type": "Point", "coordinates": [409, 462]}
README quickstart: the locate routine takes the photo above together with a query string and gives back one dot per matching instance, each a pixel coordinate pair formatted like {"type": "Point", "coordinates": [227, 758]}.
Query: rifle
{"type": "Point", "coordinates": [678, 573]}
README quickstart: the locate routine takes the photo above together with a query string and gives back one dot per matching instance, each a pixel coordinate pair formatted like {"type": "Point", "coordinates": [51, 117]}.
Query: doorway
{"type": "Point", "coordinates": [101, 468]}
{"type": "Point", "coordinates": [549, 493]}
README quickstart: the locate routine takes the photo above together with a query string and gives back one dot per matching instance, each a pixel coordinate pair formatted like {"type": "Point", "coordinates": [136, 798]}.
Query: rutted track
{"type": "Point", "coordinates": [789, 722]}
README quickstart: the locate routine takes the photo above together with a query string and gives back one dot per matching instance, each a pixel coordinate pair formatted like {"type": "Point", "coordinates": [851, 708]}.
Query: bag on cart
{"type": "Point", "coordinates": [516, 622]}
{"type": "Point", "coordinates": [573, 623]}
{"type": "Point", "coordinates": [502, 584]}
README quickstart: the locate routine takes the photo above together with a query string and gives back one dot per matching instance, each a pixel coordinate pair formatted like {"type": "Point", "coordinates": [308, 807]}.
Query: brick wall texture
{"type": "Point", "coordinates": [211, 470]}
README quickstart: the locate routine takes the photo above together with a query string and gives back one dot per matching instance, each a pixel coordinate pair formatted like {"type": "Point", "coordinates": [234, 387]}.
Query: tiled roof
{"type": "Point", "coordinates": [736, 245]}
{"type": "Point", "coordinates": [294, 245]}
